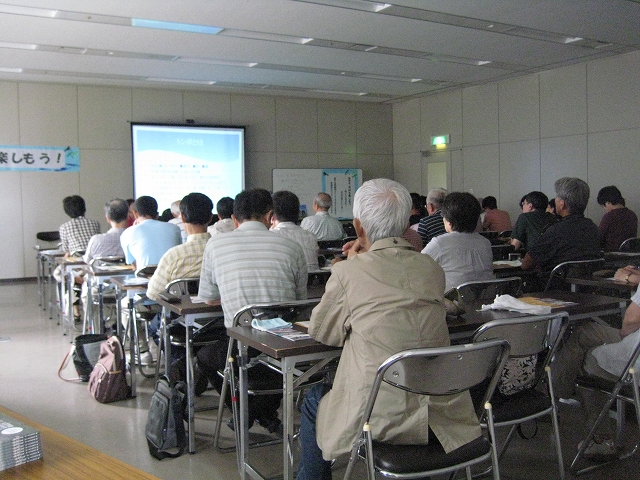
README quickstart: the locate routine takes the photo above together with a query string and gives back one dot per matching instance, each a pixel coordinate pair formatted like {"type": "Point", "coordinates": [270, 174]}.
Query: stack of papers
{"type": "Point", "coordinates": [278, 326]}
{"type": "Point", "coordinates": [19, 443]}
{"type": "Point", "coordinates": [507, 302]}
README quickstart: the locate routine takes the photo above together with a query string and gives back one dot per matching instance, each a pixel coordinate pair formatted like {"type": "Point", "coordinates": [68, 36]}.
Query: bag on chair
{"type": "Point", "coordinates": [108, 381]}
{"type": "Point", "coordinates": [84, 352]}
{"type": "Point", "coordinates": [165, 430]}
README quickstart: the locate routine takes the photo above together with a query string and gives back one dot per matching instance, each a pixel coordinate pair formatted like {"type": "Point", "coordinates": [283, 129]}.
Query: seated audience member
{"type": "Point", "coordinates": [246, 266]}
{"type": "Point", "coordinates": [432, 225]}
{"type": "Point", "coordinates": [463, 254]}
{"type": "Point", "coordinates": [407, 291]}
{"type": "Point", "coordinates": [166, 215]}
{"type": "Point", "coordinates": [533, 220]}
{"type": "Point", "coordinates": [76, 233]}
{"type": "Point", "coordinates": [323, 225]}
{"type": "Point", "coordinates": [224, 207]}
{"type": "Point", "coordinates": [177, 219]}
{"type": "Point", "coordinates": [145, 242]}
{"type": "Point", "coordinates": [574, 237]}
{"type": "Point", "coordinates": [286, 208]}
{"type": "Point", "coordinates": [418, 210]}
{"type": "Point", "coordinates": [494, 220]}
{"type": "Point", "coordinates": [132, 210]}
{"type": "Point", "coordinates": [618, 223]}
{"type": "Point", "coordinates": [603, 351]}
{"type": "Point", "coordinates": [108, 244]}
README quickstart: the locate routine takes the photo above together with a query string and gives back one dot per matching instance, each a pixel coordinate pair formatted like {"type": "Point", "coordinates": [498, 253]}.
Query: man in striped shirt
{"type": "Point", "coordinates": [433, 224]}
{"type": "Point", "coordinates": [76, 233]}
{"type": "Point", "coordinates": [246, 266]}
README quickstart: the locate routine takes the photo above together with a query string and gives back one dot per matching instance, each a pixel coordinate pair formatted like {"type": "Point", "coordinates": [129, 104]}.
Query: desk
{"type": "Point", "coordinates": [190, 312]}
{"type": "Point", "coordinates": [588, 306]}
{"type": "Point", "coordinates": [96, 274]}
{"type": "Point", "coordinates": [64, 457]}
{"type": "Point", "coordinates": [129, 285]}
{"type": "Point", "coordinates": [625, 288]}
{"type": "Point", "coordinates": [46, 261]}
{"type": "Point", "coordinates": [284, 355]}
{"type": "Point", "coordinates": [68, 264]}
{"type": "Point", "coordinates": [621, 259]}
{"type": "Point", "coordinates": [316, 282]}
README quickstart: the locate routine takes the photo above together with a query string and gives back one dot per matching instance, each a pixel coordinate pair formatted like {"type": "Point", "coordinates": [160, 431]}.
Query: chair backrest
{"type": "Point", "coordinates": [531, 335]}
{"type": "Point", "coordinates": [488, 289]}
{"type": "Point", "coordinates": [505, 234]}
{"type": "Point", "coordinates": [442, 370]}
{"type": "Point", "coordinates": [183, 286]}
{"type": "Point", "coordinates": [630, 245]}
{"type": "Point", "coordinates": [490, 235]}
{"type": "Point", "coordinates": [501, 252]}
{"type": "Point", "coordinates": [293, 311]}
{"type": "Point", "coordinates": [53, 236]}
{"type": "Point", "coordinates": [573, 268]}
{"type": "Point", "coordinates": [326, 244]}
{"type": "Point", "coordinates": [146, 272]}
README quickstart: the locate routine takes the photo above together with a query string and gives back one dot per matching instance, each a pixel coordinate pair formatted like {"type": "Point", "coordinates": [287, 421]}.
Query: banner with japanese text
{"type": "Point", "coordinates": [39, 159]}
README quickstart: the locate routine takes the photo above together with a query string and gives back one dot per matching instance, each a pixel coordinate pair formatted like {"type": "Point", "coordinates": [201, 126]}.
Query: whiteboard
{"type": "Point", "coordinates": [306, 183]}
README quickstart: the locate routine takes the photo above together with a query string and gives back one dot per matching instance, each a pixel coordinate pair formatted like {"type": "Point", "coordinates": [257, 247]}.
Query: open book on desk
{"type": "Point", "coordinates": [278, 326]}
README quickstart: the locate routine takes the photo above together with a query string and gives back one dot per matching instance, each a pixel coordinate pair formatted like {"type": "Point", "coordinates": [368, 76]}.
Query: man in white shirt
{"type": "Point", "coordinates": [323, 225]}
{"type": "Point", "coordinates": [108, 244]}
{"type": "Point", "coordinates": [286, 209]}
{"type": "Point", "coordinates": [224, 208]}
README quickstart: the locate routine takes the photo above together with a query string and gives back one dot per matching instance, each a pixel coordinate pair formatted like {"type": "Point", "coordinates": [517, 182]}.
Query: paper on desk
{"type": "Point", "coordinates": [511, 263]}
{"type": "Point", "coordinates": [196, 299]}
{"type": "Point", "coordinates": [269, 324]}
{"type": "Point", "coordinates": [507, 302]}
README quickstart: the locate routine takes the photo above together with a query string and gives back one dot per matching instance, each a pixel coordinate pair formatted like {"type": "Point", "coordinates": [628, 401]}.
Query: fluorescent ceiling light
{"type": "Point", "coordinates": [338, 92]}
{"type": "Point", "coordinates": [177, 80]}
{"type": "Point", "coordinates": [572, 39]}
{"type": "Point", "coordinates": [10, 70]}
{"type": "Point", "coordinates": [182, 27]}
{"type": "Point", "coordinates": [392, 78]}
{"type": "Point", "coordinates": [30, 11]}
{"type": "Point", "coordinates": [207, 61]}
{"type": "Point", "coordinates": [273, 37]}
{"type": "Point", "coordinates": [20, 46]}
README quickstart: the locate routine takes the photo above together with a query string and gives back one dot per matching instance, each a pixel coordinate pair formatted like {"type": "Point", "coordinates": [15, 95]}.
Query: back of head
{"type": "Point", "coordinates": [252, 204]}
{"type": "Point", "coordinates": [323, 201]}
{"type": "Point", "coordinates": [383, 207]}
{"type": "Point", "coordinates": [196, 209]}
{"type": "Point", "coordinates": [224, 207]}
{"type": "Point", "coordinates": [538, 199]}
{"type": "Point", "coordinates": [436, 196]}
{"type": "Point", "coordinates": [462, 211]}
{"type": "Point", "coordinates": [286, 206]}
{"type": "Point", "coordinates": [574, 192]}
{"type": "Point", "coordinates": [490, 203]}
{"type": "Point", "coordinates": [610, 194]}
{"type": "Point", "coordinates": [146, 206]}
{"type": "Point", "coordinates": [74, 206]}
{"type": "Point", "coordinates": [175, 208]}
{"type": "Point", "coordinates": [117, 210]}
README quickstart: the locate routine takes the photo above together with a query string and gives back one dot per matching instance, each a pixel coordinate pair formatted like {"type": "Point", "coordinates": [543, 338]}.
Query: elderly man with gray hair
{"type": "Point", "coordinates": [574, 237]}
{"type": "Point", "coordinates": [322, 224]}
{"type": "Point", "coordinates": [433, 224]}
{"type": "Point", "coordinates": [384, 299]}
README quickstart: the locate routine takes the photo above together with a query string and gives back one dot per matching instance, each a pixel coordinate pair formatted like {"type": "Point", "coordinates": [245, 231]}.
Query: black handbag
{"type": "Point", "coordinates": [85, 353]}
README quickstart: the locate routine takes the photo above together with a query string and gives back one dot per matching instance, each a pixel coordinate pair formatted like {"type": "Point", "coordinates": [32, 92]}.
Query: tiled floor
{"type": "Point", "coordinates": [32, 347]}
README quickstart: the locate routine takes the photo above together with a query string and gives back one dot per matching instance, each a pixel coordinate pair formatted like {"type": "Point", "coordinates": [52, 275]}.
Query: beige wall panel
{"type": "Point", "coordinates": [406, 126]}
{"type": "Point", "coordinates": [12, 232]}
{"type": "Point", "coordinates": [104, 116]}
{"type": "Point", "coordinates": [157, 106]}
{"type": "Point", "coordinates": [48, 115]}
{"type": "Point", "coordinates": [9, 126]}
{"type": "Point", "coordinates": [258, 114]}
{"type": "Point", "coordinates": [336, 160]}
{"type": "Point", "coordinates": [613, 100]}
{"type": "Point", "coordinates": [407, 170]}
{"type": "Point", "coordinates": [519, 108]}
{"type": "Point", "coordinates": [259, 170]}
{"type": "Point", "coordinates": [480, 115]}
{"type": "Point", "coordinates": [336, 127]}
{"type": "Point", "coordinates": [105, 174]}
{"type": "Point", "coordinates": [613, 160]}
{"type": "Point", "coordinates": [374, 129]}
{"type": "Point", "coordinates": [42, 194]}
{"type": "Point", "coordinates": [375, 166]}
{"type": "Point", "coordinates": [441, 115]}
{"type": "Point", "coordinates": [481, 168]}
{"type": "Point", "coordinates": [563, 101]}
{"type": "Point", "coordinates": [207, 108]}
{"type": "Point", "coordinates": [456, 172]}
{"type": "Point", "coordinates": [562, 157]}
{"type": "Point", "coordinates": [519, 174]}
{"type": "Point", "coordinates": [296, 125]}
{"type": "Point", "coordinates": [297, 160]}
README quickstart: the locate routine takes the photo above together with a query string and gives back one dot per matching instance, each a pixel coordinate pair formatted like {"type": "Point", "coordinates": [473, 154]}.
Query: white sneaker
{"type": "Point", "coordinates": [603, 451]}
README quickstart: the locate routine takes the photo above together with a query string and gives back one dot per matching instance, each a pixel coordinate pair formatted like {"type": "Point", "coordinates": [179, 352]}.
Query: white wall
{"type": "Point", "coordinates": [514, 136]}
{"type": "Point", "coordinates": [282, 132]}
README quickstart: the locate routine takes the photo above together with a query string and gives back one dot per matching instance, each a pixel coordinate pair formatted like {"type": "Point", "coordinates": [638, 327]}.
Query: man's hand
{"type": "Point", "coordinates": [354, 249]}
{"type": "Point", "coordinates": [628, 274]}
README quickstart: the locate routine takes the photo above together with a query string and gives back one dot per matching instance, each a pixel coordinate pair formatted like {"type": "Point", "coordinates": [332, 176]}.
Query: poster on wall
{"type": "Point", "coordinates": [39, 159]}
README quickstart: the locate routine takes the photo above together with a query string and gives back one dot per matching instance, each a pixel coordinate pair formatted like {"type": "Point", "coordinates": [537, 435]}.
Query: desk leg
{"type": "Point", "coordinates": [242, 440]}
{"type": "Point", "coordinates": [288, 366]}
{"type": "Point", "coordinates": [133, 342]}
{"type": "Point", "coordinates": [101, 325]}
{"type": "Point", "coordinates": [190, 389]}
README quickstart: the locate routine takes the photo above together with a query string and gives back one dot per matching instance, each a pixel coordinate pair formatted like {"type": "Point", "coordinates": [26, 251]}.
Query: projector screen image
{"type": "Point", "coordinates": [170, 161]}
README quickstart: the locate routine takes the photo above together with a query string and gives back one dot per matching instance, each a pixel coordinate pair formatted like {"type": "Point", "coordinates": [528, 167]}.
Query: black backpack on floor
{"type": "Point", "coordinates": [166, 436]}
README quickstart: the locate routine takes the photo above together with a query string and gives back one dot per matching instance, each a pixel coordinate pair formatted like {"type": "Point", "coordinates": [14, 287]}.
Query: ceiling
{"type": "Point", "coordinates": [339, 49]}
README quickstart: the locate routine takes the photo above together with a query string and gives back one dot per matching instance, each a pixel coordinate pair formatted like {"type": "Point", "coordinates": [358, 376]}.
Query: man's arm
{"type": "Point", "coordinates": [527, 262]}
{"type": "Point", "coordinates": [631, 321]}
{"type": "Point", "coordinates": [330, 318]}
